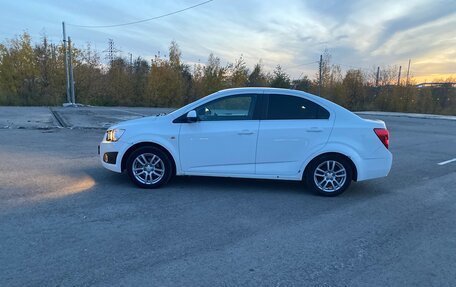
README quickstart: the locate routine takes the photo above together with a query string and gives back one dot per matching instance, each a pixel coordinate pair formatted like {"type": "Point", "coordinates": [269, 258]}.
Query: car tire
{"type": "Point", "coordinates": [149, 167]}
{"type": "Point", "coordinates": [329, 175]}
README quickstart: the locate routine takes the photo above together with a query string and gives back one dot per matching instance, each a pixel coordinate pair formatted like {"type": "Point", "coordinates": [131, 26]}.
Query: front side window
{"type": "Point", "coordinates": [239, 107]}
{"type": "Point", "coordinates": [286, 107]}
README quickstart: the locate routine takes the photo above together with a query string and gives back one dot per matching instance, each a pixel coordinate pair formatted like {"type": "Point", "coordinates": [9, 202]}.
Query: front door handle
{"type": "Point", "coordinates": [245, 133]}
{"type": "Point", "coordinates": [314, 130]}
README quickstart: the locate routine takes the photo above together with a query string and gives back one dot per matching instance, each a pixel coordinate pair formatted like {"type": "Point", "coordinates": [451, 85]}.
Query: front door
{"type": "Point", "coordinates": [223, 140]}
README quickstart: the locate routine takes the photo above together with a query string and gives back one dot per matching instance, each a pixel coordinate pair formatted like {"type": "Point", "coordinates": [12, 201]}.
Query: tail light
{"type": "Point", "coordinates": [383, 135]}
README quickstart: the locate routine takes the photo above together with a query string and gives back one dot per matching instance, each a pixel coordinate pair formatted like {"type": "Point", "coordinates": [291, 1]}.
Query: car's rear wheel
{"type": "Point", "coordinates": [329, 175]}
{"type": "Point", "coordinates": [149, 167]}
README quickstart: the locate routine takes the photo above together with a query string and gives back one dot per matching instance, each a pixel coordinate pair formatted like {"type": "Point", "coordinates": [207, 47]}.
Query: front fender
{"type": "Point", "coordinates": [168, 142]}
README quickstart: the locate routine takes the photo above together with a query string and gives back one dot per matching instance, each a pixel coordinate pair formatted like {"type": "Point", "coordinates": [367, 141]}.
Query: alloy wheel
{"type": "Point", "coordinates": [330, 176]}
{"type": "Point", "coordinates": [148, 168]}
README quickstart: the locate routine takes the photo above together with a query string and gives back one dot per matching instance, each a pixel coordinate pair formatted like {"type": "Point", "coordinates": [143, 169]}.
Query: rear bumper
{"type": "Point", "coordinates": [374, 168]}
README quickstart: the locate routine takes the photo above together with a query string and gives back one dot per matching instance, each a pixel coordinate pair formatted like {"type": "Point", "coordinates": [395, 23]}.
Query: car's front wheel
{"type": "Point", "coordinates": [149, 167]}
{"type": "Point", "coordinates": [329, 175]}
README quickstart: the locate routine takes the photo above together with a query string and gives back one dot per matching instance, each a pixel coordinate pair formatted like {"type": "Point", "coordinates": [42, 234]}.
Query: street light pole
{"type": "Point", "coordinates": [66, 64]}
{"type": "Point", "coordinates": [70, 66]}
{"type": "Point", "coordinates": [319, 78]}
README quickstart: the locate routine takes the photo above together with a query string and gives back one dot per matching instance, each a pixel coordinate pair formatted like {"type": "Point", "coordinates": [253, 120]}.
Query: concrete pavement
{"type": "Point", "coordinates": [102, 117]}
{"type": "Point", "coordinates": [26, 117]}
{"type": "Point", "coordinates": [408, 115]}
{"type": "Point", "coordinates": [66, 221]}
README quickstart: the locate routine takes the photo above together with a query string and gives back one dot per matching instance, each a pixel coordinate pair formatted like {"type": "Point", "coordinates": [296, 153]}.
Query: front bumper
{"type": "Point", "coordinates": [111, 154]}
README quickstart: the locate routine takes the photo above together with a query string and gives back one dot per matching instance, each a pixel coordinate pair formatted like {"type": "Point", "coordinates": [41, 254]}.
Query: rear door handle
{"type": "Point", "coordinates": [314, 130]}
{"type": "Point", "coordinates": [245, 133]}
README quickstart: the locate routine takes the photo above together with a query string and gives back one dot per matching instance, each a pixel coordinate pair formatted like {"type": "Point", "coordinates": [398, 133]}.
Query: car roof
{"type": "Point", "coordinates": [267, 90]}
{"type": "Point", "coordinates": [333, 107]}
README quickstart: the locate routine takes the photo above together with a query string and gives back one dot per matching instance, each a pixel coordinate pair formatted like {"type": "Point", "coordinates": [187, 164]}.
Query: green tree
{"type": "Point", "coordinates": [257, 77]}
{"type": "Point", "coordinates": [169, 81]}
{"type": "Point", "coordinates": [239, 73]}
{"type": "Point", "coordinates": [354, 92]}
{"type": "Point", "coordinates": [280, 79]}
{"type": "Point", "coordinates": [19, 72]}
{"type": "Point", "coordinates": [303, 84]}
{"type": "Point", "coordinates": [50, 74]}
{"type": "Point", "coordinates": [214, 75]}
{"type": "Point", "coordinates": [33, 74]}
{"type": "Point", "coordinates": [91, 83]}
{"type": "Point", "coordinates": [140, 73]}
{"type": "Point", "coordinates": [120, 88]}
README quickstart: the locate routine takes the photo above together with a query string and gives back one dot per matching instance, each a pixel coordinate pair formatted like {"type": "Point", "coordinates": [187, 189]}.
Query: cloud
{"type": "Point", "coordinates": [357, 33]}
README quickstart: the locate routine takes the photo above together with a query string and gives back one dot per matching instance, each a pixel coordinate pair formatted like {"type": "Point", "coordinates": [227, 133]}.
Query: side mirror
{"type": "Point", "coordinates": [192, 117]}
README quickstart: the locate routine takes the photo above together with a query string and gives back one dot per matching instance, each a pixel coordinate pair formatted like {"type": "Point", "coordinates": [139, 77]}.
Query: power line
{"type": "Point", "coordinates": [141, 21]}
{"type": "Point", "coordinates": [305, 64]}
{"type": "Point", "coordinates": [353, 67]}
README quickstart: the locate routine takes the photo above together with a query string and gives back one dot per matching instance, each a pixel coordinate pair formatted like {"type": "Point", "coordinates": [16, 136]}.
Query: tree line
{"type": "Point", "coordinates": [33, 74]}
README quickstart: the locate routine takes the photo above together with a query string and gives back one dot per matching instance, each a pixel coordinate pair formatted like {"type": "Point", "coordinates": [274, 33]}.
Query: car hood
{"type": "Point", "coordinates": [137, 122]}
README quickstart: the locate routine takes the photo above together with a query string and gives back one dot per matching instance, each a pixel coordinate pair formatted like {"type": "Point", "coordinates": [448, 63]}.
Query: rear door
{"type": "Point", "coordinates": [294, 127]}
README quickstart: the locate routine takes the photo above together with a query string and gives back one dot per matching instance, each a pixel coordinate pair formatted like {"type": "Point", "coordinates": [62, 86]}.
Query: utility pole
{"type": "Point", "coordinates": [408, 73]}
{"type": "Point", "coordinates": [319, 79]}
{"type": "Point", "coordinates": [399, 76]}
{"type": "Point", "coordinates": [66, 64]}
{"type": "Point", "coordinates": [70, 66]}
{"type": "Point", "coordinates": [376, 78]}
{"type": "Point", "coordinates": [131, 63]}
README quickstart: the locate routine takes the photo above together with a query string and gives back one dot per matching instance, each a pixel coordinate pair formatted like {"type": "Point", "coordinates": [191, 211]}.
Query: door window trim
{"type": "Point", "coordinates": [257, 113]}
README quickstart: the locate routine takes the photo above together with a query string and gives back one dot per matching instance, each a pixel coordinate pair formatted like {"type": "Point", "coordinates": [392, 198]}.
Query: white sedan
{"type": "Point", "coordinates": [252, 133]}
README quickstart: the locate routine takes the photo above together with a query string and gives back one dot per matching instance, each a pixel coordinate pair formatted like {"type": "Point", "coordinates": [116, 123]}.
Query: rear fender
{"type": "Point", "coordinates": [341, 148]}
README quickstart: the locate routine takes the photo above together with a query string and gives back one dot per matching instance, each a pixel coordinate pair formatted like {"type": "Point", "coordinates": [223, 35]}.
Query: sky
{"type": "Point", "coordinates": [358, 34]}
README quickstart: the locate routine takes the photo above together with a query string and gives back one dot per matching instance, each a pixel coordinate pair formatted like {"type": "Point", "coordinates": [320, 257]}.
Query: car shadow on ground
{"type": "Point", "coordinates": [195, 184]}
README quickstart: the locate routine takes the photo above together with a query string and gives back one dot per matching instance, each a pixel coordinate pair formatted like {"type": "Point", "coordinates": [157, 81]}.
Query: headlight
{"type": "Point", "coordinates": [114, 135]}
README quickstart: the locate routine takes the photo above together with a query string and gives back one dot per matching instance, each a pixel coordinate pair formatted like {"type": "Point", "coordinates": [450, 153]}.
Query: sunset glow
{"type": "Point", "coordinates": [358, 34]}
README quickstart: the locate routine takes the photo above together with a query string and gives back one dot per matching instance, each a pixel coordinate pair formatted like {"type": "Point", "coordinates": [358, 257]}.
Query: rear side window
{"type": "Point", "coordinates": [286, 107]}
